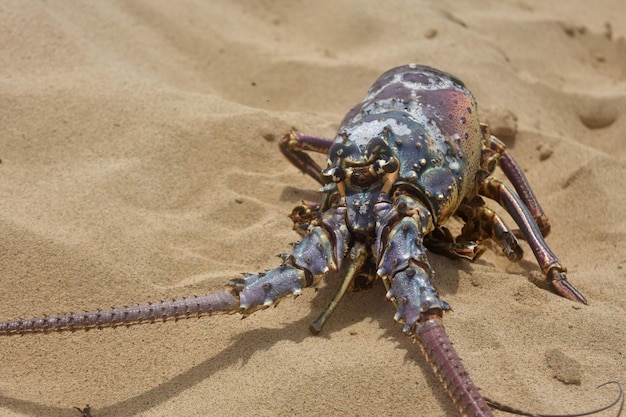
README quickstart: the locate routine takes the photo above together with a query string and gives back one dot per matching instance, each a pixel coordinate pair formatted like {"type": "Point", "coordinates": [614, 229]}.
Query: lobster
{"type": "Point", "coordinates": [411, 155]}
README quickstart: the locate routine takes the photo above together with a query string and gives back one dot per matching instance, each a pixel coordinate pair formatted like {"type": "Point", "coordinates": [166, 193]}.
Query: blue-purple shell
{"type": "Point", "coordinates": [428, 119]}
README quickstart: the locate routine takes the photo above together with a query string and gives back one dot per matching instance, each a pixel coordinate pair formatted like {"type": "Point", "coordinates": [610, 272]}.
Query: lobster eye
{"type": "Point", "coordinates": [377, 148]}
{"type": "Point", "coordinates": [344, 152]}
{"type": "Point", "coordinates": [335, 174]}
{"type": "Point", "coordinates": [385, 166]}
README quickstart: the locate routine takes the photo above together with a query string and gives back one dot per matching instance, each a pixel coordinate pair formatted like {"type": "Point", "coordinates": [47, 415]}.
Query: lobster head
{"type": "Point", "coordinates": [362, 168]}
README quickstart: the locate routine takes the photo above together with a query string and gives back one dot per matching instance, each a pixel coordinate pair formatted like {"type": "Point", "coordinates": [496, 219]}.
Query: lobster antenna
{"type": "Point", "coordinates": [618, 400]}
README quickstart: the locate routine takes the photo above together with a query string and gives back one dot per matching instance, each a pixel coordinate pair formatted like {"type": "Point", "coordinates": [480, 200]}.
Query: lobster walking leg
{"type": "Point", "coordinates": [293, 145]}
{"type": "Point", "coordinates": [442, 242]}
{"type": "Point", "coordinates": [514, 173]}
{"type": "Point", "coordinates": [549, 263]}
{"type": "Point", "coordinates": [481, 222]}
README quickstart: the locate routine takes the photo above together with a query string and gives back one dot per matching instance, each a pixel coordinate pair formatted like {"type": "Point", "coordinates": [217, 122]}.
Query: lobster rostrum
{"type": "Point", "coordinates": [404, 160]}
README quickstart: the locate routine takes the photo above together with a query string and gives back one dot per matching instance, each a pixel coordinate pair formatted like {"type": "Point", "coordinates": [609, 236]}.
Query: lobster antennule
{"type": "Point", "coordinates": [221, 302]}
{"type": "Point", "coordinates": [359, 254]}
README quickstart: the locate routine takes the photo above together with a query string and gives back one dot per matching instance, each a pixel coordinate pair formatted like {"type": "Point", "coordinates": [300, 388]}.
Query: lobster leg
{"type": "Point", "coordinates": [549, 263]}
{"type": "Point", "coordinates": [293, 145]}
{"type": "Point", "coordinates": [403, 266]}
{"type": "Point", "coordinates": [514, 173]}
{"type": "Point", "coordinates": [481, 222]}
{"type": "Point", "coordinates": [442, 242]}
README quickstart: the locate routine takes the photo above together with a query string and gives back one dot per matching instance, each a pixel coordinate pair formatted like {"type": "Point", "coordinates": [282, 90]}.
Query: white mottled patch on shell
{"type": "Point", "coordinates": [362, 133]}
{"type": "Point", "coordinates": [434, 83]}
{"type": "Point", "coordinates": [400, 129]}
{"type": "Point", "coordinates": [437, 136]}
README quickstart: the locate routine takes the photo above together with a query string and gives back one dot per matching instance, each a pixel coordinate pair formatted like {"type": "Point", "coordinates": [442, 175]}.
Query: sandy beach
{"type": "Point", "coordinates": [140, 162]}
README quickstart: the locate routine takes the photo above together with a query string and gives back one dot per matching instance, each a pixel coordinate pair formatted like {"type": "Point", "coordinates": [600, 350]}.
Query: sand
{"type": "Point", "coordinates": [139, 162]}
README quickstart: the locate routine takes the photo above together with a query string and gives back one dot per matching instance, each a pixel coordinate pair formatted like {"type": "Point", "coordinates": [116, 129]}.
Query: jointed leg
{"type": "Point", "coordinates": [549, 263]}
{"type": "Point", "coordinates": [294, 144]}
{"type": "Point", "coordinates": [514, 173]}
{"type": "Point", "coordinates": [481, 223]}
{"type": "Point", "coordinates": [442, 242]}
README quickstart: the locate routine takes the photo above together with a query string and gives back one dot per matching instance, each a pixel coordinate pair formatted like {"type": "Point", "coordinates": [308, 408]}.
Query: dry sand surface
{"type": "Point", "coordinates": [139, 162]}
